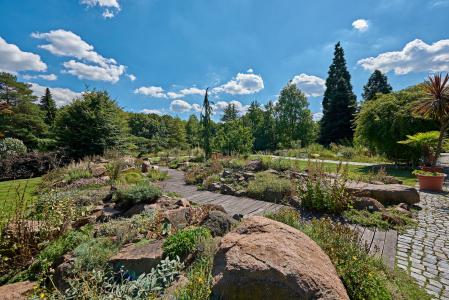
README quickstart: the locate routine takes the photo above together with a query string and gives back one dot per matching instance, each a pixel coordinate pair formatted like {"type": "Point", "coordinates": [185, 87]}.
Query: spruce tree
{"type": "Point", "coordinates": [206, 123]}
{"type": "Point", "coordinates": [230, 113]}
{"type": "Point", "coordinates": [377, 83]}
{"type": "Point", "coordinates": [339, 102]}
{"type": "Point", "coordinates": [48, 105]}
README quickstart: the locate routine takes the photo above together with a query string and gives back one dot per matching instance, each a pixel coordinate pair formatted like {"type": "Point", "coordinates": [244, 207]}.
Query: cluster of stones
{"type": "Point", "coordinates": [424, 251]}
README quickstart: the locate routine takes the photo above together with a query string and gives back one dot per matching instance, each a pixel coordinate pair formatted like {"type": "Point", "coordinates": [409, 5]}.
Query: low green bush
{"type": "Point", "coordinates": [320, 193]}
{"type": "Point", "coordinates": [210, 180]}
{"type": "Point", "coordinates": [270, 187]}
{"type": "Point", "coordinates": [184, 241]}
{"type": "Point", "coordinates": [364, 276]}
{"type": "Point", "coordinates": [140, 193]}
{"type": "Point", "coordinates": [374, 219]}
{"type": "Point", "coordinates": [76, 174]}
{"type": "Point", "coordinates": [94, 253]}
{"type": "Point", "coordinates": [11, 146]}
{"type": "Point", "coordinates": [157, 175]}
{"type": "Point", "coordinates": [131, 177]}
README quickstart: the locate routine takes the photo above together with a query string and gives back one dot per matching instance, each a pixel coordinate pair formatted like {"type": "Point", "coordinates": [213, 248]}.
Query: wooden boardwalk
{"type": "Point", "coordinates": [379, 243]}
{"type": "Point", "coordinates": [233, 205]}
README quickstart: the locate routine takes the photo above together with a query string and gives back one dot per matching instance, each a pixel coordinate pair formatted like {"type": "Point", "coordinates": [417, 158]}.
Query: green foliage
{"type": "Point", "coordinates": [270, 187]}
{"type": "Point", "coordinates": [200, 282]}
{"type": "Point", "coordinates": [374, 219]}
{"type": "Point", "coordinates": [210, 180]}
{"type": "Point", "coordinates": [387, 119]}
{"type": "Point", "coordinates": [196, 174]}
{"type": "Point", "coordinates": [11, 146]}
{"type": "Point", "coordinates": [294, 119]}
{"type": "Point", "coordinates": [339, 102]}
{"type": "Point", "coordinates": [193, 130]}
{"type": "Point", "coordinates": [377, 83]}
{"type": "Point", "coordinates": [233, 137]}
{"type": "Point", "coordinates": [425, 143]}
{"type": "Point", "coordinates": [321, 193]}
{"type": "Point", "coordinates": [94, 253]}
{"type": "Point", "coordinates": [364, 276]}
{"type": "Point", "coordinates": [48, 105]}
{"type": "Point", "coordinates": [90, 125]}
{"type": "Point", "coordinates": [184, 241]}
{"type": "Point", "coordinates": [99, 284]}
{"type": "Point", "coordinates": [131, 177]}
{"type": "Point", "coordinates": [20, 117]}
{"type": "Point", "coordinates": [207, 126]}
{"type": "Point", "coordinates": [75, 174]}
{"type": "Point", "coordinates": [230, 113]}
{"type": "Point", "coordinates": [140, 193]}
{"type": "Point", "coordinates": [156, 175]}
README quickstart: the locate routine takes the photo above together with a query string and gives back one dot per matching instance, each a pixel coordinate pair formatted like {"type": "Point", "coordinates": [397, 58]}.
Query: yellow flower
{"type": "Point", "coordinates": [200, 279]}
{"type": "Point", "coordinates": [42, 296]}
{"type": "Point", "coordinates": [354, 257]}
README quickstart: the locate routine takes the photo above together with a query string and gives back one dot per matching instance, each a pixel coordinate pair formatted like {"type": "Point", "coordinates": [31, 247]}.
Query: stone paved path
{"type": "Point", "coordinates": [424, 251]}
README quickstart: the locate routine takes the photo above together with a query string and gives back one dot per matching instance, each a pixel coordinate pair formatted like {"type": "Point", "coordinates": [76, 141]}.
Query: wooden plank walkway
{"type": "Point", "coordinates": [232, 204]}
{"type": "Point", "coordinates": [379, 243]}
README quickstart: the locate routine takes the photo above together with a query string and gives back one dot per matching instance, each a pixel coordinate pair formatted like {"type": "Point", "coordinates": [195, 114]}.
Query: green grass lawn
{"type": "Point", "coordinates": [13, 191]}
{"type": "Point", "coordinates": [354, 172]}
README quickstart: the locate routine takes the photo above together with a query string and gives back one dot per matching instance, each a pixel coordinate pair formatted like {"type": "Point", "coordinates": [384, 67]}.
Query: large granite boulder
{"type": "Point", "coordinates": [265, 259]}
{"type": "Point", "coordinates": [17, 291]}
{"type": "Point", "coordinates": [387, 194]}
{"type": "Point", "coordinates": [136, 259]}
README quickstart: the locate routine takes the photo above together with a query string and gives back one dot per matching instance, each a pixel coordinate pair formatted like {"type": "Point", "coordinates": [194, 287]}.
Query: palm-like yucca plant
{"type": "Point", "coordinates": [435, 105]}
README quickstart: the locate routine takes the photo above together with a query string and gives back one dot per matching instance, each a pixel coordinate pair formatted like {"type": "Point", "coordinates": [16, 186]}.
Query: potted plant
{"type": "Point", "coordinates": [435, 105]}
{"type": "Point", "coordinates": [432, 181]}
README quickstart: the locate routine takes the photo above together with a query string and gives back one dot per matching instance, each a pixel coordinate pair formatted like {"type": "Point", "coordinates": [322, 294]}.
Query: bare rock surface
{"type": "Point", "coordinates": [16, 291]}
{"type": "Point", "coordinates": [387, 194]}
{"type": "Point", "coordinates": [137, 258]}
{"type": "Point", "coordinates": [369, 204]}
{"type": "Point", "coordinates": [265, 259]}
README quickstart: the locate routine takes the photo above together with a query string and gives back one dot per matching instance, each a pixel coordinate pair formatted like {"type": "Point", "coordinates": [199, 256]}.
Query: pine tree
{"type": "Point", "coordinates": [48, 105]}
{"type": "Point", "coordinates": [230, 113]}
{"type": "Point", "coordinates": [206, 123]}
{"type": "Point", "coordinates": [377, 83]}
{"type": "Point", "coordinates": [339, 102]}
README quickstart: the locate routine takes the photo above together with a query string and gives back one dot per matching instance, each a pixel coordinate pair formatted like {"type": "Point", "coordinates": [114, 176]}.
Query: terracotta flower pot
{"type": "Point", "coordinates": [432, 183]}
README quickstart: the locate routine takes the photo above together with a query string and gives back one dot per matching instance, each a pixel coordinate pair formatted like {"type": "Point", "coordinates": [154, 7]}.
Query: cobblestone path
{"type": "Point", "coordinates": [424, 251]}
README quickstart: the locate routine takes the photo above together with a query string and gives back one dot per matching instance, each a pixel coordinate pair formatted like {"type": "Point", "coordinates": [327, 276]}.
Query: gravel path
{"type": "Point", "coordinates": [424, 251]}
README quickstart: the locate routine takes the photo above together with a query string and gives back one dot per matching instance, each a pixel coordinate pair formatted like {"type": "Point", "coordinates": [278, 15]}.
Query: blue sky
{"type": "Point", "coordinates": [159, 55]}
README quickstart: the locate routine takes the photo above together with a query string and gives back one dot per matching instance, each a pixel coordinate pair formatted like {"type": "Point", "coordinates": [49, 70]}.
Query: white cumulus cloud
{"type": "Point", "coordinates": [49, 77]}
{"type": "Point", "coordinates": [311, 85]}
{"type": "Point", "coordinates": [242, 84]}
{"type": "Point", "coordinates": [13, 60]}
{"type": "Point", "coordinates": [110, 73]}
{"type": "Point", "coordinates": [151, 91]}
{"type": "Point", "coordinates": [131, 77]}
{"type": "Point", "coordinates": [151, 111]}
{"type": "Point", "coordinates": [416, 56]}
{"type": "Point", "coordinates": [220, 106]}
{"type": "Point", "coordinates": [174, 95]}
{"type": "Point", "coordinates": [108, 5]}
{"type": "Point", "coordinates": [62, 96]}
{"type": "Point", "coordinates": [192, 91]}
{"type": "Point", "coordinates": [180, 106]}
{"type": "Point", "coordinates": [360, 25]}
{"type": "Point", "coordinates": [317, 116]}
{"type": "Point", "coordinates": [91, 65]}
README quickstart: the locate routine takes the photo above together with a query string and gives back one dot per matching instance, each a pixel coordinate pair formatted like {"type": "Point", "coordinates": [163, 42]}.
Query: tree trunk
{"type": "Point", "coordinates": [443, 129]}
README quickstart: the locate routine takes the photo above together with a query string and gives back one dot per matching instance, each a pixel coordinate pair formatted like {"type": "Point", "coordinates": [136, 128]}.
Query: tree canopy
{"type": "Point", "coordinates": [377, 83]}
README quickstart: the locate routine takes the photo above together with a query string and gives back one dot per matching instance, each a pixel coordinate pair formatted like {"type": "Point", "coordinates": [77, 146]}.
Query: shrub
{"type": "Point", "coordinates": [131, 177]}
{"type": "Point", "coordinates": [269, 187]}
{"type": "Point", "coordinates": [11, 147]}
{"type": "Point", "coordinates": [94, 253]}
{"type": "Point", "coordinates": [210, 180]}
{"type": "Point", "coordinates": [76, 174]}
{"type": "Point", "coordinates": [196, 174]}
{"type": "Point", "coordinates": [99, 284]}
{"type": "Point", "coordinates": [140, 193]}
{"type": "Point", "coordinates": [322, 193]}
{"type": "Point", "coordinates": [29, 165]}
{"type": "Point", "coordinates": [184, 241]}
{"type": "Point", "coordinates": [157, 175]}
{"type": "Point", "coordinates": [364, 276]}
{"type": "Point", "coordinates": [374, 219]}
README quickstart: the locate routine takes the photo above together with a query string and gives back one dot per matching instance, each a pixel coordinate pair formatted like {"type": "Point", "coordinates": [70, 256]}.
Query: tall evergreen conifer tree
{"type": "Point", "coordinates": [206, 123]}
{"type": "Point", "coordinates": [377, 83]}
{"type": "Point", "coordinates": [339, 102]}
{"type": "Point", "coordinates": [48, 105]}
{"type": "Point", "coordinates": [230, 113]}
